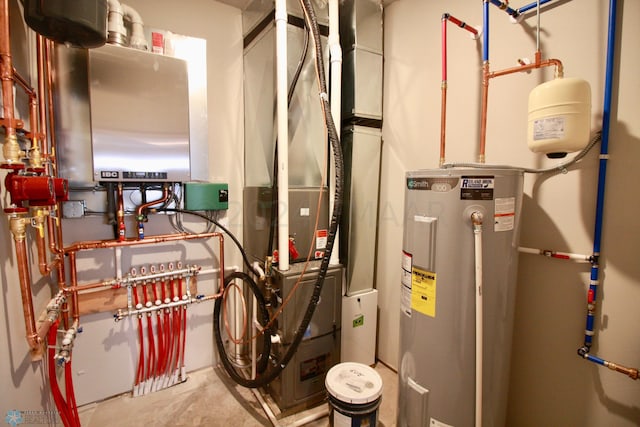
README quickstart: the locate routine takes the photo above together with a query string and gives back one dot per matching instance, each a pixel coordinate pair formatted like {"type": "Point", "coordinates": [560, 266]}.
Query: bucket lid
{"type": "Point", "coordinates": [354, 383]}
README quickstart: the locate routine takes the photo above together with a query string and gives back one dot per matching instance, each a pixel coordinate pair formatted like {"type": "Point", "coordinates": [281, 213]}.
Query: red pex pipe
{"type": "Point", "coordinates": [160, 331]}
{"type": "Point", "coordinates": [140, 372]}
{"type": "Point", "coordinates": [71, 396]}
{"type": "Point", "coordinates": [150, 342]}
{"type": "Point", "coordinates": [53, 378]}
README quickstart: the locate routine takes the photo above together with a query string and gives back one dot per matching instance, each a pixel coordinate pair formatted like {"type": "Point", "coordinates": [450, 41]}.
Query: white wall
{"type": "Point", "coordinates": [104, 354]}
{"type": "Point", "coordinates": [549, 385]}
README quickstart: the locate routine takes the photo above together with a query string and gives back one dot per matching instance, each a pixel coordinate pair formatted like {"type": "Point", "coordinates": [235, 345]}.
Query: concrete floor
{"type": "Point", "coordinates": [210, 398]}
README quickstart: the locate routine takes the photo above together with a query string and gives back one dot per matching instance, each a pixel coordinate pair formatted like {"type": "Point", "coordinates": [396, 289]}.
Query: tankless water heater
{"type": "Point", "coordinates": [438, 302]}
{"type": "Point", "coordinates": [139, 116]}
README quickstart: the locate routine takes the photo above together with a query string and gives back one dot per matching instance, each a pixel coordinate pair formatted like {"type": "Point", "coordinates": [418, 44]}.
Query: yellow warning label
{"type": "Point", "coordinates": [423, 291]}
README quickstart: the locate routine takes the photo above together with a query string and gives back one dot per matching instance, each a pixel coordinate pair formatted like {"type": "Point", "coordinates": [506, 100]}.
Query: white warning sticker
{"type": "Point", "coordinates": [504, 214]}
{"type": "Point", "coordinates": [405, 283]}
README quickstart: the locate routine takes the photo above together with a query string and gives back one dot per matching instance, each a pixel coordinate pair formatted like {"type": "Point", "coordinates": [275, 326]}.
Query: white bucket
{"type": "Point", "coordinates": [559, 117]}
{"type": "Point", "coordinates": [355, 393]}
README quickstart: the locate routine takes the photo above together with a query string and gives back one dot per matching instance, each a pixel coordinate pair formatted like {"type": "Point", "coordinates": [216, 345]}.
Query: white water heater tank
{"type": "Point", "coordinates": [559, 117]}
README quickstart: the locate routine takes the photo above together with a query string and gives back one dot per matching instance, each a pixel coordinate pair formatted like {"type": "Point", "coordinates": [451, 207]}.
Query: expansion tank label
{"type": "Point", "coordinates": [549, 128]}
{"type": "Point", "coordinates": [405, 283]}
{"type": "Point", "coordinates": [504, 217]}
{"type": "Point", "coordinates": [423, 291]}
{"type": "Point", "coordinates": [476, 188]}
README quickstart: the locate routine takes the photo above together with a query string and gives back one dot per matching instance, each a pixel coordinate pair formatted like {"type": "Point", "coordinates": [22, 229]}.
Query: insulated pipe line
{"type": "Point", "coordinates": [476, 221]}
{"type": "Point", "coordinates": [443, 105]}
{"type": "Point", "coordinates": [602, 173]}
{"type": "Point", "coordinates": [270, 375]}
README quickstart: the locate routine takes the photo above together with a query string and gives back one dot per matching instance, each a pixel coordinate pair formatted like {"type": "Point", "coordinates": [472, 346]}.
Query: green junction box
{"type": "Point", "coordinates": [206, 196]}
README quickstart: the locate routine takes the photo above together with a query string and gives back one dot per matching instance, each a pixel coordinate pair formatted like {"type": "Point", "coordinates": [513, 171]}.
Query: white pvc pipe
{"type": "Point", "coordinates": [283, 134]}
{"type": "Point", "coordinates": [555, 254]}
{"type": "Point", "coordinates": [476, 218]}
{"type": "Point", "coordinates": [137, 39]}
{"type": "Point", "coordinates": [115, 23]}
{"type": "Point", "coordinates": [335, 92]}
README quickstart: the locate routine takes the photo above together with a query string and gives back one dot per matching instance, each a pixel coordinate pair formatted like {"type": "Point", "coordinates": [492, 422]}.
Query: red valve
{"type": "Point", "coordinates": [293, 251]}
{"type": "Point", "coordinates": [590, 296]}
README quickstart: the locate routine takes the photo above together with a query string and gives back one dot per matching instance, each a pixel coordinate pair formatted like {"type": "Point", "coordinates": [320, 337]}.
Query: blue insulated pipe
{"type": "Point", "coordinates": [485, 32]}
{"type": "Point", "coordinates": [602, 172]}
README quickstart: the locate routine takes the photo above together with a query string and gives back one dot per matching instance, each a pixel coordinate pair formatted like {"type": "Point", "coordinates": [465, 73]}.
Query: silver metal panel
{"type": "Point", "coordinates": [361, 25]}
{"type": "Point", "coordinates": [303, 206]}
{"type": "Point", "coordinates": [362, 149]}
{"type": "Point", "coordinates": [73, 116]}
{"type": "Point", "coordinates": [139, 116]}
{"type": "Point", "coordinates": [437, 350]}
{"type": "Point", "coordinates": [307, 135]}
{"type": "Point", "coordinates": [302, 381]}
{"type": "Point", "coordinates": [362, 84]}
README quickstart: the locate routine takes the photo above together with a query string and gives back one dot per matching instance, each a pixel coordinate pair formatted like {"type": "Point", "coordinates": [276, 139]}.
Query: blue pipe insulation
{"type": "Point", "coordinates": [485, 33]}
{"type": "Point", "coordinates": [602, 172]}
{"type": "Point", "coordinates": [530, 6]}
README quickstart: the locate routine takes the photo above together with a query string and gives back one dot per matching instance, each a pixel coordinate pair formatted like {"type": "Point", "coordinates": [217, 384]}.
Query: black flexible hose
{"type": "Point", "coordinates": [245, 258]}
{"type": "Point", "coordinates": [263, 317]}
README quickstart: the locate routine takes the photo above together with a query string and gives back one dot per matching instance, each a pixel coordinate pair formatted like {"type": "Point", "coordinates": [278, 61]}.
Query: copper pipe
{"type": "Point", "coordinates": [44, 266]}
{"type": "Point", "coordinates": [443, 122]}
{"type": "Point", "coordinates": [483, 118]}
{"type": "Point", "coordinates": [486, 75]}
{"type": "Point", "coordinates": [140, 216]}
{"type": "Point", "coordinates": [122, 229]}
{"type": "Point", "coordinates": [73, 277]}
{"type": "Point", "coordinates": [10, 149]}
{"type": "Point", "coordinates": [107, 244]}
{"type": "Point", "coordinates": [35, 157]}
{"type": "Point", "coordinates": [49, 44]}
{"type": "Point", "coordinates": [42, 113]}
{"type": "Point", "coordinates": [165, 196]}
{"type": "Point", "coordinates": [18, 226]}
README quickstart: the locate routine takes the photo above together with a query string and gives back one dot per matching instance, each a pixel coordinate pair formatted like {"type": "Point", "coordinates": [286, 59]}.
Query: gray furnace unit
{"type": "Point", "coordinates": [438, 295]}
